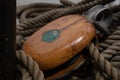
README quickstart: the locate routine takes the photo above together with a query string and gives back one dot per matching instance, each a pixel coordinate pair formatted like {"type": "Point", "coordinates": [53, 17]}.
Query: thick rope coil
{"type": "Point", "coordinates": [84, 2]}
{"type": "Point", "coordinates": [21, 9]}
{"type": "Point", "coordinates": [31, 65]}
{"type": "Point", "coordinates": [117, 17]}
{"type": "Point", "coordinates": [30, 24]}
{"type": "Point", "coordinates": [68, 3]}
{"type": "Point", "coordinates": [28, 32]}
{"type": "Point", "coordinates": [111, 50]}
{"type": "Point", "coordinates": [72, 4]}
{"type": "Point", "coordinates": [100, 76]}
{"type": "Point", "coordinates": [33, 12]}
{"type": "Point", "coordinates": [115, 8]}
{"type": "Point", "coordinates": [115, 36]}
{"type": "Point", "coordinates": [115, 61]}
{"type": "Point", "coordinates": [33, 9]}
{"type": "Point", "coordinates": [19, 41]}
{"type": "Point", "coordinates": [104, 63]}
{"type": "Point", "coordinates": [25, 74]}
{"type": "Point", "coordinates": [115, 23]}
{"type": "Point", "coordinates": [113, 55]}
{"type": "Point", "coordinates": [53, 14]}
{"type": "Point", "coordinates": [116, 20]}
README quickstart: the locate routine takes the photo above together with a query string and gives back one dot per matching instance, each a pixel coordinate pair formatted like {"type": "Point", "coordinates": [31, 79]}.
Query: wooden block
{"type": "Point", "coordinates": [59, 40]}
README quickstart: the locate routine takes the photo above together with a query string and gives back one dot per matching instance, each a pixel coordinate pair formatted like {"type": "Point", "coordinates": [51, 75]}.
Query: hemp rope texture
{"type": "Point", "coordinates": [110, 40]}
{"type": "Point", "coordinates": [25, 73]}
{"type": "Point", "coordinates": [31, 65]}
{"type": "Point", "coordinates": [53, 14]}
{"type": "Point", "coordinates": [104, 63]}
{"type": "Point", "coordinates": [113, 47]}
{"type": "Point", "coordinates": [26, 28]}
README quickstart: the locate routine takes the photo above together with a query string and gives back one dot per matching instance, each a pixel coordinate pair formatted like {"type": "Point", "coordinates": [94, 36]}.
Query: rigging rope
{"type": "Point", "coordinates": [34, 16]}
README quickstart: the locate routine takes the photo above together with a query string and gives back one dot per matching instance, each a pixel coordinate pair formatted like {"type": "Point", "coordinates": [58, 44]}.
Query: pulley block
{"type": "Point", "coordinates": [62, 39]}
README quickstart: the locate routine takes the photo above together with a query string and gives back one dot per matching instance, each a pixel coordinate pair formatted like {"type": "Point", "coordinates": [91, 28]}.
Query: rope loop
{"type": "Point", "coordinates": [34, 16]}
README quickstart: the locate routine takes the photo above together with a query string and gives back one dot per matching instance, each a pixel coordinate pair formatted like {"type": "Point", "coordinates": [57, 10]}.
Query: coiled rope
{"type": "Point", "coordinates": [34, 16]}
{"type": "Point", "coordinates": [31, 65]}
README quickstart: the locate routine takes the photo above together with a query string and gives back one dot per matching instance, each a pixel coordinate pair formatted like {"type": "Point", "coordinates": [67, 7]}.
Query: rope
{"type": "Point", "coordinates": [115, 61]}
{"type": "Point", "coordinates": [19, 41]}
{"type": "Point", "coordinates": [25, 73]}
{"type": "Point", "coordinates": [104, 63]}
{"type": "Point", "coordinates": [29, 27]}
{"type": "Point", "coordinates": [116, 19]}
{"type": "Point", "coordinates": [111, 53]}
{"type": "Point", "coordinates": [31, 65]}
{"type": "Point", "coordinates": [111, 50]}
{"type": "Point", "coordinates": [42, 19]}
{"type": "Point", "coordinates": [32, 17]}
{"type": "Point", "coordinates": [68, 3]}
{"type": "Point", "coordinates": [115, 36]}
{"type": "Point", "coordinates": [115, 8]}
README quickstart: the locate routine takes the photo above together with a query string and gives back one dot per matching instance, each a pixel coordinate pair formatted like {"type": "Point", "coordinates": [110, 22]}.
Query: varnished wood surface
{"type": "Point", "coordinates": [77, 64]}
{"type": "Point", "coordinates": [75, 34]}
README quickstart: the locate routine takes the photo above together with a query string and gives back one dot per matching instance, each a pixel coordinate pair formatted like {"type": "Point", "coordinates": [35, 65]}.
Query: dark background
{"type": "Point", "coordinates": [7, 39]}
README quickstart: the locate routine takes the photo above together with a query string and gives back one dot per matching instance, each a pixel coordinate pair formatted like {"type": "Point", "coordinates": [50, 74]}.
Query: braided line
{"type": "Point", "coordinates": [31, 65]}
{"type": "Point", "coordinates": [104, 63]}
{"type": "Point", "coordinates": [115, 36]}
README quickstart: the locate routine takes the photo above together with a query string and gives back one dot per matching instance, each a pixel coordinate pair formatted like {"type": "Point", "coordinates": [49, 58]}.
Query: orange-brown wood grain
{"type": "Point", "coordinates": [75, 34]}
{"type": "Point", "coordinates": [77, 64]}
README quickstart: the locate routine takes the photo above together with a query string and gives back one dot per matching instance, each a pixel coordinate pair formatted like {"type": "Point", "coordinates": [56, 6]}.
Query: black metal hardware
{"type": "Point", "coordinates": [101, 17]}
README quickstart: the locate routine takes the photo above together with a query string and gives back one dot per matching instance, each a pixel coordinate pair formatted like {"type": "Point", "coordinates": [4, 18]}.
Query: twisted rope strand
{"type": "Point", "coordinates": [115, 61]}
{"type": "Point", "coordinates": [25, 73]}
{"type": "Point", "coordinates": [115, 8]}
{"type": "Point", "coordinates": [21, 9]}
{"type": "Point", "coordinates": [104, 63]}
{"type": "Point", "coordinates": [32, 66]}
{"type": "Point", "coordinates": [68, 3]}
{"type": "Point", "coordinates": [41, 17]}
{"type": "Point", "coordinates": [113, 55]}
{"type": "Point", "coordinates": [111, 50]}
{"type": "Point", "coordinates": [115, 36]}
{"type": "Point", "coordinates": [19, 41]}
{"type": "Point", "coordinates": [84, 2]}
{"type": "Point", "coordinates": [53, 14]}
